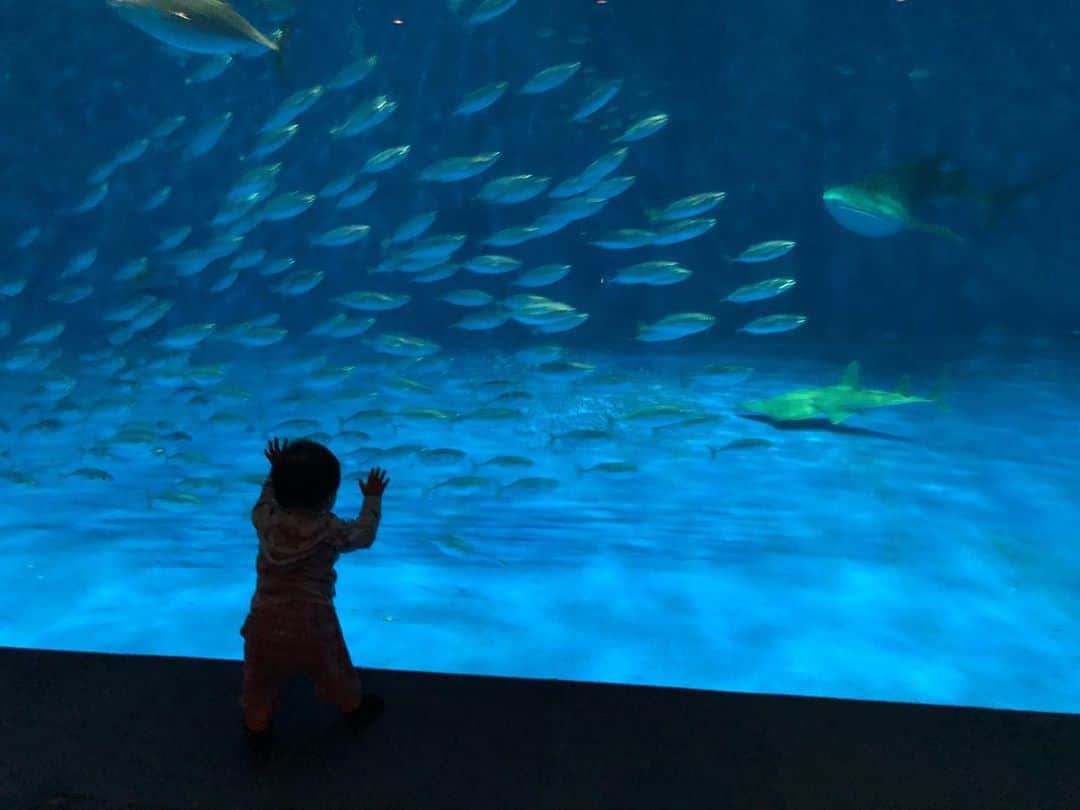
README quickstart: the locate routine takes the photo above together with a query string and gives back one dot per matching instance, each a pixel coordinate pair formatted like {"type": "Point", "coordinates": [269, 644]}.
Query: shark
{"type": "Point", "coordinates": [198, 26]}
{"type": "Point", "coordinates": [834, 402]}
{"type": "Point", "coordinates": [883, 203]}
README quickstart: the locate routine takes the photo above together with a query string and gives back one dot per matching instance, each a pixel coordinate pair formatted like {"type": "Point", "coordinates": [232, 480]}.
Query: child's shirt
{"type": "Point", "coordinates": [299, 547]}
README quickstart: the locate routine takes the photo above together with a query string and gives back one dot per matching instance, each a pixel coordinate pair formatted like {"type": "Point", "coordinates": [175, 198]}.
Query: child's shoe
{"type": "Point", "coordinates": [371, 706]}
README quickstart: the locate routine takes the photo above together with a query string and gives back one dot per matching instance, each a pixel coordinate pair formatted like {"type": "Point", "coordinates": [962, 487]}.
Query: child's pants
{"type": "Point", "coordinates": [282, 640]}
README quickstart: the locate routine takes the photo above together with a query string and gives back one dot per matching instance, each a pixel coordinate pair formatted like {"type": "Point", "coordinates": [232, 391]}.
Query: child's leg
{"type": "Point", "coordinates": [263, 677]}
{"type": "Point", "coordinates": [331, 669]}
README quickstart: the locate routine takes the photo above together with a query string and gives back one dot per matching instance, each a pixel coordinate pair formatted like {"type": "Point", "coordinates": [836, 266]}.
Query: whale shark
{"type": "Point", "coordinates": [833, 402]}
{"type": "Point", "coordinates": [883, 203]}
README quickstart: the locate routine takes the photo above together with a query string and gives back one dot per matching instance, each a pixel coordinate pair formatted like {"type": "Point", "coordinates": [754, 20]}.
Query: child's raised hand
{"type": "Point", "coordinates": [376, 483]}
{"type": "Point", "coordinates": [273, 450]}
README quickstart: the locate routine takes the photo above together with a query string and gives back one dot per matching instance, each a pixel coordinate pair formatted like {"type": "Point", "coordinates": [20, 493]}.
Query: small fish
{"type": "Point", "coordinates": [338, 186]}
{"type": "Point", "coordinates": [481, 98]}
{"type": "Point", "coordinates": [761, 291]}
{"type": "Point", "coordinates": [28, 237]}
{"type": "Point", "coordinates": [157, 199]}
{"type": "Point", "coordinates": [451, 170]}
{"type": "Point", "coordinates": [597, 99]}
{"type": "Point", "coordinates": [683, 230]}
{"type": "Point", "coordinates": [10, 287]}
{"type": "Point", "coordinates": [509, 237]}
{"type": "Point", "coordinates": [405, 346]}
{"type": "Point", "coordinates": [593, 174]}
{"type": "Point", "coordinates": [357, 196]}
{"type": "Point", "coordinates": [44, 334]}
{"type": "Point", "coordinates": [764, 252]}
{"type": "Point", "coordinates": [168, 127]}
{"type": "Point", "coordinates": [492, 265]}
{"type": "Point", "coordinates": [342, 326]}
{"type": "Point", "coordinates": [252, 258]}
{"type": "Point", "coordinates": [414, 227]}
{"type": "Point", "coordinates": [674, 327]}
{"type": "Point", "coordinates": [293, 107]}
{"type": "Point", "coordinates": [656, 273]}
{"type": "Point", "coordinates": [72, 294]}
{"type": "Point", "coordinates": [299, 282]}
{"type": "Point", "coordinates": [259, 336]}
{"type": "Point", "coordinates": [92, 200]}
{"type": "Point", "coordinates": [483, 321]}
{"type": "Point", "coordinates": [773, 324]}
{"type": "Point", "coordinates": [550, 78]}
{"type": "Point", "coordinates": [625, 239]}
{"type": "Point", "coordinates": [207, 136]}
{"type": "Point", "coordinates": [365, 117]}
{"type": "Point", "coordinates": [513, 189]}
{"type": "Point", "coordinates": [372, 301]}
{"type": "Point", "coordinates": [468, 298]}
{"type": "Point", "coordinates": [287, 206]}
{"type": "Point", "coordinates": [562, 323]}
{"type": "Point", "coordinates": [79, 263]}
{"type": "Point", "coordinates": [353, 73]}
{"type": "Point", "coordinates": [686, 207]}
{"type": "Point", "coordinates": [386, 160]}
{"type": "Point", "coordinates": [341, 236]}
{"type": "Point", "coordinates": [277, 266]}
{"type": "Point", "coordinates": [644, 128]}
{"type": "Point", "coordinates": [187, 337]}
{"type": "Point", "coordinates": [199, 26]}
{"type": "Point", "coordinates": [171, 240]}
{"type": "Point", "coordinates": [210, 69]}
{"type": "Point", "coordinates": [272, 140]}
{"type": "Point", "coordinates": [740, 444]}
{"type": "Point", "coordinates": [440, 247]}
{"type": "Point", "coordinates": [488, 10]}
{"type": "Point", "coordinates": [612, 187]}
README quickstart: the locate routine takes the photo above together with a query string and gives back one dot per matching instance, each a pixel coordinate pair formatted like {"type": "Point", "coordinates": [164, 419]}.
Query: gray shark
{"type": "Point", "coordinates": [199, 26]}
{"type": "Point", "coordinates": [882, 203]}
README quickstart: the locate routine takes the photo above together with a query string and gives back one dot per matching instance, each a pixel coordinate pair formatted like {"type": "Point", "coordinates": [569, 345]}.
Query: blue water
{"type": "Point", "coordinates": [920, 553]}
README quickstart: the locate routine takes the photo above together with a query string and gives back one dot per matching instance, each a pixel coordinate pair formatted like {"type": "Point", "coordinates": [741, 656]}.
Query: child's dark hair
{"type": "Point", "coordinates": [306, 475]}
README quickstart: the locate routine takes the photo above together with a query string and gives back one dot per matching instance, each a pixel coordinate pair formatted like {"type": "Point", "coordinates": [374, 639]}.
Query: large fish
{"type": "Point", "coordinates": [199, 26]}
{"type": "Point", "coordinates": [882, 204]}
{"type": "Point", "coordinates": [834, 402]}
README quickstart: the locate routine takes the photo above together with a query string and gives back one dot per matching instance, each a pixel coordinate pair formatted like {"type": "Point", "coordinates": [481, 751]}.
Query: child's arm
{"type": "Point", "coordinates": [266, 504]}
{"type": "Point", "coordinates": [349, 535]}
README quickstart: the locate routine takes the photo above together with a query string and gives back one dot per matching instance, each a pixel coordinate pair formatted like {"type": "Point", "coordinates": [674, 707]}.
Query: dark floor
{"type": "Point", "coordinates": [102, 731]}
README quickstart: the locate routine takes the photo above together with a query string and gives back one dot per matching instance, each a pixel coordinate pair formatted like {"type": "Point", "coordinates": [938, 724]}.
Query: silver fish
{"type": "Point", "coordinates": [199, 26]}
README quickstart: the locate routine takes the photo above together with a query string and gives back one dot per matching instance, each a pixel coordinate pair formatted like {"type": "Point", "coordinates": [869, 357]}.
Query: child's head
{"type": "Point", "coordinates": [306, 476]}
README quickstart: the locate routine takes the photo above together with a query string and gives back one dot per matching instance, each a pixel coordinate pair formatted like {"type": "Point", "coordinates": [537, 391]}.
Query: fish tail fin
{"type": "Point", "coordinates": [281, 44]}
{"type": "Point", "coordinates": [997, 203]}
{"type": "Point", "coordinates": [712, 452]}
{"type": "Point", "coordinates": [938, 395]}
{"type": "Point", "coordinates": [905, 386]}
{"type": "Point", "coordinates": [938, 230]}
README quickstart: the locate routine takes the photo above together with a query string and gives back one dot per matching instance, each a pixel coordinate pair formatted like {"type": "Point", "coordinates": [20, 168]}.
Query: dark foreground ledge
{"type": "Point", "coordinates": [107, 731]}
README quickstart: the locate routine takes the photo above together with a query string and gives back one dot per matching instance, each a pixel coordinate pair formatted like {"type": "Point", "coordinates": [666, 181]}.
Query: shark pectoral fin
{"type": "Point", "coordinates": [936, 230]}
{"type": "Point", "coordinates": [836, 416]}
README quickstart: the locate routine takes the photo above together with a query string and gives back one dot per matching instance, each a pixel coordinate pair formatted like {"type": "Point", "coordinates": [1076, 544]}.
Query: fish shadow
{"type": "Point", "coordinates": [825, 426]}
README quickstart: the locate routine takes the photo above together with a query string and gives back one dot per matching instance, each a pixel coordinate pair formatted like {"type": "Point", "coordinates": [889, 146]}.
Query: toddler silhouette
{"type": "Point", "coordinates": [292, 625]}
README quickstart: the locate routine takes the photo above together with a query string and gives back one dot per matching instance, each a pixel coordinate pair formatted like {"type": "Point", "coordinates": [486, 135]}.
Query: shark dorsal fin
{"type": "Point", "coordinates": [851, 375]}
{"type": "Point", "coordinates": [905, 385]}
